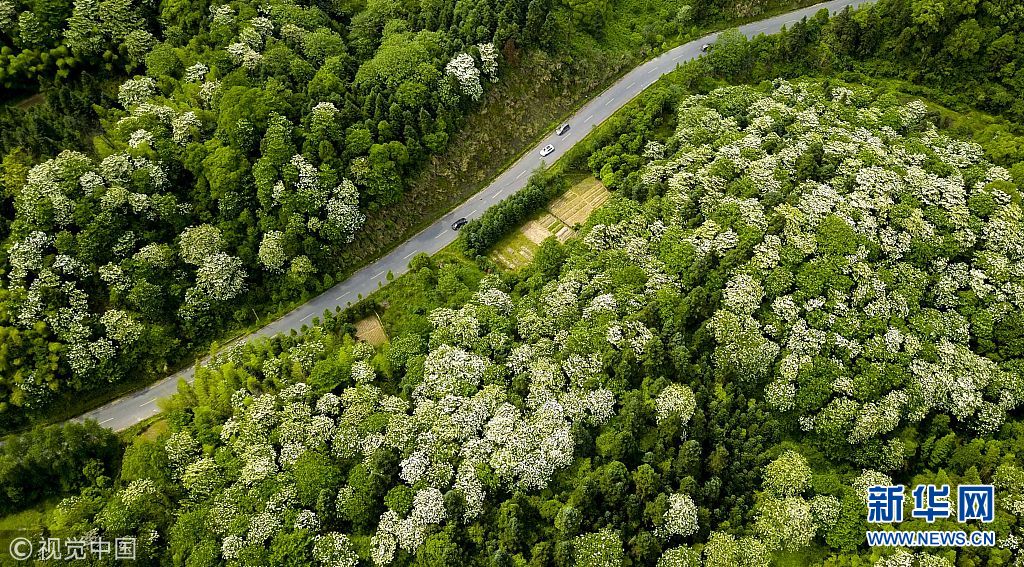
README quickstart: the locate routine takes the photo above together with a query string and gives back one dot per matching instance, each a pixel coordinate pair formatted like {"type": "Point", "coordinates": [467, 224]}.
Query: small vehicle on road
{"type": "Point", "coordinates": [705, 47]}
{"type": "Point", "coordinates": [562, 129]}
{"type": "Point", "coordinates": [546, 150]}
{"type": "Point", "coordinates": [459, 223]}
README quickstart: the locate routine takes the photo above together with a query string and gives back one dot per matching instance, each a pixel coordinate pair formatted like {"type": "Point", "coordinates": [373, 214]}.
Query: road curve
{"type": "Point", "coordinates": [132, 408]}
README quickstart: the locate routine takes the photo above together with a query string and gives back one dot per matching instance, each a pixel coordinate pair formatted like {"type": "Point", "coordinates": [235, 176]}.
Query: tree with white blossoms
{"type": "Point", "coordinates": [675, 401]}
{"type": "Point", "coordinates": [197, 243]}
{"type": "Point", "coordinates": [244, 55]}
{"type": "Point", "coordinates": [741, 344]}
{"type": "Point", "coordinates": [184, 127]}
{"type": "Point", "coordinates": [121, 326]}
{"type": "Point", "coordinates": [451, 371]}
{"type": "Point", "coordinates": [723, 550]}
{"type": "Point", "coordinates": [679, 557]}
{"type": "Point", "coordinates": [307, 520]}
{"type": "Point", "coordinates": [201, 478]}
{"type": "Point", "coordinates": [743, 295]}
{"type": "Point", "coordinates": [271, 252]}
{"type": "Point", "coordinates": [826, 509]}
{"type": "Point", "coordinates": [363, 372]}
{"type": "Point", "coordinates": [46, 200]}
{"type": "Point", "coordinates": [530, 450]}
{"type": "Point", "coordinates": [140, 137]}
{"type": "Point", "coordinates": [342, 217]}
{"type": "Point", "coordinates": [136, 91]}
{"type": "Point", "coordinates": [27, 254]}
{"type": "Point", "coordinates": [182, 449]}
{"type": "Point", "coordinates": [599, 549]}
{"type": "Point", "coordinates": [221, 277]}
{"type": "Point", "coordinates": [681, 517]}
{"type": "Point", "coordinates": [785, 523]}
{"type": "Point", "coordinates": [488, 60]}
{"type": "Point", "coordinates": [196, 73]}
{"type": "Point", "coordinates": [428, 507]}
{"type": "Point", "coordinates": [463, 68]}
{"type": "Point", "coordinates": [780, 395]}
{"type": "Point", "coordinates": [334, 550]}
{"type": "Point", "coordinates": [788, 475]}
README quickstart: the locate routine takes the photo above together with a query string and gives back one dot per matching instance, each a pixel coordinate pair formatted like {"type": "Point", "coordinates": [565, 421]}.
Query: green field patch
{"type": "Point", "coordinates": [515, 250]}
{"type": "Point", "coordinates": [565, 212]}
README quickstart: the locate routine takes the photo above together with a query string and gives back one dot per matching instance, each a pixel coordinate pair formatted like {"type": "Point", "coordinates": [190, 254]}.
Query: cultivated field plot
{"type": "Point", "coordinates": [547, 224]}
{"type": "Point", "coordinates": [371, 330]}
{"type": "Point", "coordinates": [575, 205]}
{"type": "Point", "coordinates": [566, 211]}
{"type": "Point", "coordinates": [515, 250]}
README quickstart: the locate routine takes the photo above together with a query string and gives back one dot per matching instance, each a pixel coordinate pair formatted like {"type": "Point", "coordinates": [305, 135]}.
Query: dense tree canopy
{"type": "Point", "coordinates": [711, 376]}
{"type": "Point", "coordinates": [231, 172]}
{"type": "Point", "coordinates": [279, 126]}
{"type": "Point", "coordinates": [799, 289]}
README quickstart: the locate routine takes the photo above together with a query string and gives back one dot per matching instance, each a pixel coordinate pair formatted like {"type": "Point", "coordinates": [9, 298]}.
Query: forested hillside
{"type": "Point", "coordinates": [809, 280]}
{"type": "Point", "coordinates": [228, 174]}
{"type": "Point", "coordinates": [817, 293]}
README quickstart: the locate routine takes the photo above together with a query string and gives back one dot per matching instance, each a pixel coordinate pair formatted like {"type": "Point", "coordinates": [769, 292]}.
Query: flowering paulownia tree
{"type": "Point", "coordinates": [463, 69]}
{"type": "Point", "coordinates": [868, 269]}
{"type": "Point", "coordinates": [458, 435]}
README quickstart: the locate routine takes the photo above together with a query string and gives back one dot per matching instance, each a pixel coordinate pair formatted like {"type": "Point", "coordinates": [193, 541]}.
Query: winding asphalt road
{"type": "Point", "coordinates": [139, 405]}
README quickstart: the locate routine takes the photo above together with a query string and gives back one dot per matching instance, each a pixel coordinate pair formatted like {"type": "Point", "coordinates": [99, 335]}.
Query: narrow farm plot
{"type": "Point", "coordinates": [575, 205]}
{"type": "Point", "coordinates": [562, 215]}
{"type": "Point", "coordinates": [516, 249]}
{"type": "Point", "coordinates": [370, 330]}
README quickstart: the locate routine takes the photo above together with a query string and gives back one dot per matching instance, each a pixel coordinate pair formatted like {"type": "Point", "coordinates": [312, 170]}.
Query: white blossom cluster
{"type": "Point", "coordinates": [220, 277]}
{"type": "Point", "coordinates": [136, 91]}
{"type": "Point", "coordinates": [243, 55]}
{"type": "Point", "coordinates": [675, 401]}
{"type": "Point", "coordinates": [788, 475]}
{"type": "Point", "coordinates": [196, 73]}
{"type": "Point", "coordinates": [850, 226]}
{"type": "Point", "coordinates": [488, 60]}
{"type": "Point", "coordinates": [140, 137]}
{"type": "Point", "coordinates": [724, 550]}
{"type": "Point", "coordinates": [334, 550]}
{"type": "Point", "coordinates": [222, 14]}
{"type": "Point", "coordinates": [184, 126]}
{"type": "Point", "coordinates": [271, 253]}
{"type": "Point", "coordinates": [461, 417]}
{"type": "Point", "coordinates": [681, 516]}
{"type": "Point", "coordinates": [199, 242]}
{"type": "Point", "coordinates": [463, 68]}
{"type": "Point", "coordinates": [332, 212]}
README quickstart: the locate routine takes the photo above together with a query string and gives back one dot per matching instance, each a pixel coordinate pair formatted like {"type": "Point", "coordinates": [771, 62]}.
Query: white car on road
{"type": "Point", "coordinates": [546, 150]}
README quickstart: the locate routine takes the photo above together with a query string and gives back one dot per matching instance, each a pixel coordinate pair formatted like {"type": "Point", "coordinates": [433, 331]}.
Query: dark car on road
{"type": "Point", "coordinates": [459, 223]}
